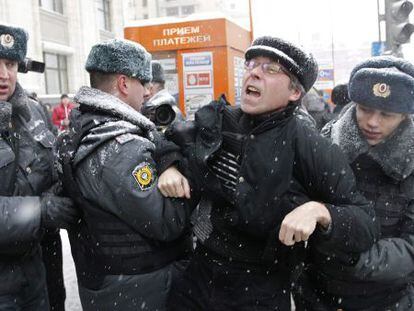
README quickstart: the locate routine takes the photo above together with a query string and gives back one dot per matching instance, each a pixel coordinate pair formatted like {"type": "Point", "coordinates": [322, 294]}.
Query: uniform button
{"type": "Point", "coordinates": [28, 170]}
{"type": "Point", "coordinates": [241, 179]}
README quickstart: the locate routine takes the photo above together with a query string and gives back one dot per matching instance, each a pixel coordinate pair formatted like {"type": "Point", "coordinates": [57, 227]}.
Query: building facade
{"type": "Point", "coordinates": [61, 33]}
{"type": "Point", "coordinates": [147, 9]}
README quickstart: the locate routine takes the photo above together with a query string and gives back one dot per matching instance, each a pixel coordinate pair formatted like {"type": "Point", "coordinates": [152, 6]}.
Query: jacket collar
{"type": "Point", "coordinates": [395, 155]}
{"type": "Point", "coordinates": [107, 103]}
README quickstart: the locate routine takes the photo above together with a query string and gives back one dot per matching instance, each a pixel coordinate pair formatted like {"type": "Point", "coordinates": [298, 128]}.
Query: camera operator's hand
{"type": "Point", "coordinates": [58, 212]}
{"type": "Point", "coordinates": [172, 183]}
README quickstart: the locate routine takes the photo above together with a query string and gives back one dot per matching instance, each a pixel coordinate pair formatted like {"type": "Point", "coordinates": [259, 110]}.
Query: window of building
{"type": "Point", "coordinates": [56, 73]}
{"type": "Point", "coordinates": [172, 11]}
{"type": "Point", "coordinates": [187, 9]}
{"type": "Point", "coordinates": [52, 5]}
{"type": "Point", "coordinates": [104, 14]}
{"type": "Point", "coordinates": [144, 3]}
{"type": "Point", "coordinates": [145, 16]}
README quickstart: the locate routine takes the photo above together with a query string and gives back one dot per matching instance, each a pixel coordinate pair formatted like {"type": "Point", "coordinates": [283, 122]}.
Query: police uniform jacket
{"type": "Point", "coordinates": [380, 280]}
{"type": "Point", "coordinates": [277, 163]}
{"type": "Point", "coordinates": [128, 227]}
{"type": "Point", "coordinates": [30, 142]}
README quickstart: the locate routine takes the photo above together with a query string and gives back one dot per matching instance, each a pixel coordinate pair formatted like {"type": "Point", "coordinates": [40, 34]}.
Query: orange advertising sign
{"type": "Point", "coordinates": [185, 35]}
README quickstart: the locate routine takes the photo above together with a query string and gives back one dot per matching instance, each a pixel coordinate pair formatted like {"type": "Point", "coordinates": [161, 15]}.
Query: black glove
{"type": "Point", "coordinates": [183, 133]}
{"type": "Point", "coordinates": [58, 212]}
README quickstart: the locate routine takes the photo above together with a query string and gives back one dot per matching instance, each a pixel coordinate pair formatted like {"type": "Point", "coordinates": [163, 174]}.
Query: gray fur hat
{"type": "Point", "coordinates": [157, 72]}
{"type": "Point", "coordinates": [120, 56]}
{"type": "Point", "coordinates": [13, 43]}
{"type": "Point", "coordinates": [384, 83]}
{"type": "Point", "coordinates": [295, 60]}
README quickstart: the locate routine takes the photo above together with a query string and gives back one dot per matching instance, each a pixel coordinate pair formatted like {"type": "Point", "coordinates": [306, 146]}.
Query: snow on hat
{"type": "Point", "coordinates": [120, 56]}
{"type": "Point", "coordinates": [157, 72]}
{"type": "Point", "coordinates": [13, 43]}
{"type": "Point", "coordinates": [384, 83]}
{"type": "Point", "coordinates": [295, 60]}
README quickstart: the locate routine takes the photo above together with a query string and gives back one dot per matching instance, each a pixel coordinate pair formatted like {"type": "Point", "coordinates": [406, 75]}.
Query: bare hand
{"type": "Point", "coordinates": [299, 224]}
{"type": "Point", "coordinates": [172, 183]}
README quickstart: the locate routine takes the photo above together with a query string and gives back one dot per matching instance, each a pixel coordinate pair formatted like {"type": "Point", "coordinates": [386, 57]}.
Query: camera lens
{"type": "Point", "coordinates": [164, 115]}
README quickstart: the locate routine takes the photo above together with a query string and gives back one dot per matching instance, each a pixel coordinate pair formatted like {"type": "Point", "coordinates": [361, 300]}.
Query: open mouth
{"type": "Point", "coordinates": [3, 88]}
{"type": "Point", "coordinates": [253, 91]}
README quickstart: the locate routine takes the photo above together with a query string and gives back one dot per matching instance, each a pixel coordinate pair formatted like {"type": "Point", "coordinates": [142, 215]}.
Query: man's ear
{"type": "Point", "coordinates": [295, 95]}
{"type": "Point", "coordinates": [122, 84]}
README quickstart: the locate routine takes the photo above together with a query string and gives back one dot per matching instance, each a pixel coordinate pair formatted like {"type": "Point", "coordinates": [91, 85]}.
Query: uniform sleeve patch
{"type": "Point", "coordinates": [144, 175]}
{"type": "Point", "coordinates": [122, 139]}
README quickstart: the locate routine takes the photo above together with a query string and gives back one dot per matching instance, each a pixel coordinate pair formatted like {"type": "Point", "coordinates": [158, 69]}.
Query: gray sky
{"type": "Point", "coordinates": [347, 26]}
{"type": "Point", "coordinates": [353, 22]}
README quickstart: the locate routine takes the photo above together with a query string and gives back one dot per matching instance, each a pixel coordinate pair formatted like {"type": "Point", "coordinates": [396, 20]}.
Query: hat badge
{"type": "Point", "coordinates": [381, 90]}
{"type": "Point", "coordinates": [7, 40]}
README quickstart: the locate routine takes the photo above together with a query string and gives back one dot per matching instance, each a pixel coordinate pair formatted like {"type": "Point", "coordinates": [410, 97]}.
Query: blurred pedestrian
{"type": "Point", "coordinates": [340, 97]}
{"type": "Point", "coordinates": [317, 108]}
{"type": "Point", "coordinates": [61, 113]}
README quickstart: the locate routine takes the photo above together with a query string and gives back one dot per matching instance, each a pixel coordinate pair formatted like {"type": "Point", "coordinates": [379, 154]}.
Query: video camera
{"type": "Point", "coordinates": [31, 65]}
{"type": "Point", "coordinates": [161, 115]}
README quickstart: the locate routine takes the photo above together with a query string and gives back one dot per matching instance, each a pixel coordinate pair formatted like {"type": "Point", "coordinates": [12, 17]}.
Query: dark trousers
{"type": "Point", "coordinates": [213, 284]}
{"type": "Point", "coordinates": [52, 259]}
{"type": "Point", "coordinates": [31, 294]}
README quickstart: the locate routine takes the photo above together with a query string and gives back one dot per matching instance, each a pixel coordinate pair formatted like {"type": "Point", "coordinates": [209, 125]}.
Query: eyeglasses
{"type": "Point", "coordinates": [267, 68]}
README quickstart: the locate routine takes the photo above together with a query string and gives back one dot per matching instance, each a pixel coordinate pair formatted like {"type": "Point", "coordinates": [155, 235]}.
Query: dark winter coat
{"type": "Point", "coordinates": [381, 278]}
{"type": "Point", "coordinates": [20, 216]}
{"type": "Point", "coordinates": [283, 164]}
{"type": "Point", "coordinates": [128, 227]}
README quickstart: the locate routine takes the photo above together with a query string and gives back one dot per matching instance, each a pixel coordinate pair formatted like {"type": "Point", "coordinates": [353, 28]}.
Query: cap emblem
{"type": "Point", "coordinates": [7, 40]}
{"type": "Point", "coordinates": [381, 90]}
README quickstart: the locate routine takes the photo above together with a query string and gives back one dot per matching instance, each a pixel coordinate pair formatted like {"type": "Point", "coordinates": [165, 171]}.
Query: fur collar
{"type": "Point", "coordinates": [104, 102]}
{"type": "Point", "coordinates": [19, 101]}
{"type": "Point", "coordinates": [395, 155]}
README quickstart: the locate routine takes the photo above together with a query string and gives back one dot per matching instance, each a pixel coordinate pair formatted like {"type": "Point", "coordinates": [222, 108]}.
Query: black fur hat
{"type": "Point", "coordinates": [13, 43]}
{"type": "Point", "coordinates": [157, 72]}
{"type": "Point", "coordinates": [120, 56]}
{"type": "Point", "coordinates": [384, 83]}
{"type": "Point", "coordinates": [294, 59]}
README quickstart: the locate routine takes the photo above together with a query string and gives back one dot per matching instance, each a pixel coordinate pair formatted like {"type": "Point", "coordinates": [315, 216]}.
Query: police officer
{"type": "Point", "coordinates": [376, 132]}
{"type": "Point", "coordinates": [27, 203]}
{"type": "Point", "coordinates": [130, 238]}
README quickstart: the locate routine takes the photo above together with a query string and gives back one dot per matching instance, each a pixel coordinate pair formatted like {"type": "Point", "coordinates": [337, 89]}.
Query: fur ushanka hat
{"type": "Point", "coordinates": [120, 56]}
{"type": "Point", "coordinates": [13, 43]}
{"type": "Point", "coordinates": [384, 83]}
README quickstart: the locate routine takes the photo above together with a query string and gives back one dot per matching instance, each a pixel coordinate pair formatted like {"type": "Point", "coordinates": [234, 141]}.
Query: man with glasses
{"type": "Point", "coordinates": [130, 239]}
{"type": "Point", "coordinates": [268, 183]}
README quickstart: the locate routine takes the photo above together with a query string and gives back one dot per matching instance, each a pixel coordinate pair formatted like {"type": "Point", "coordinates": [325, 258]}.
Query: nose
{"type": "Point", "coordinates": [256, 72]}
{"type": "Point", "coordinates": [3, 71]}
{"type": "Point", "coordinates": [374, 120]}
{"type": "Point", "coordinates": [146, 92]}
